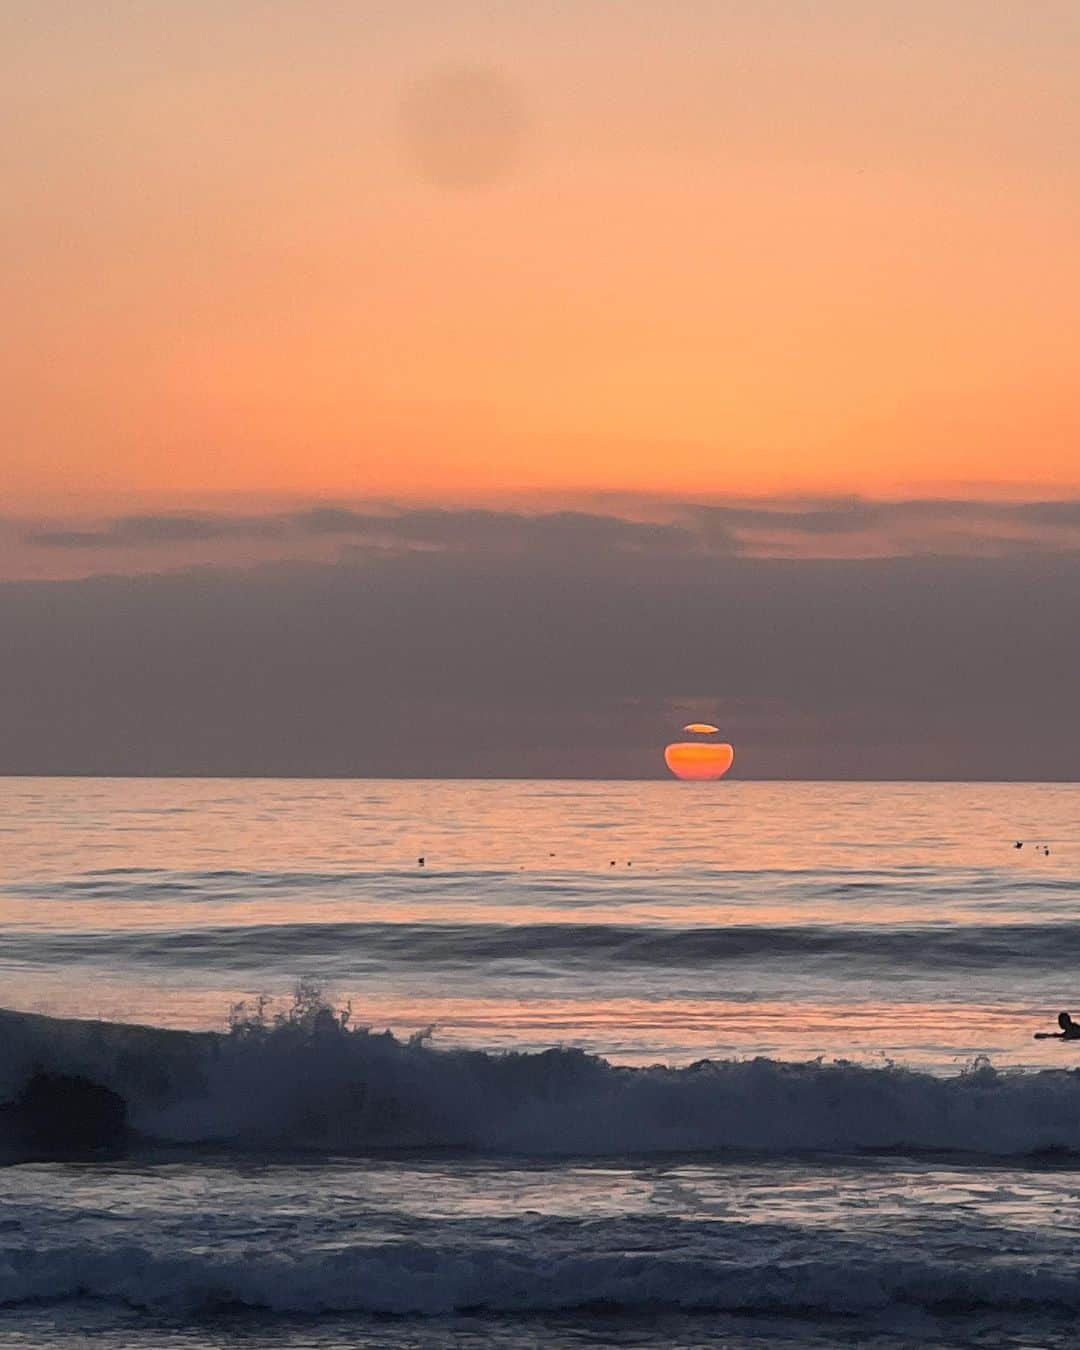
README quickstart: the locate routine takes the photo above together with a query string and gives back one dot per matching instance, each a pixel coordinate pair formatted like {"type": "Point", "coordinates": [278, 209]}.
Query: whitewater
{"type": "Point", "coordinates": [627, 1064]}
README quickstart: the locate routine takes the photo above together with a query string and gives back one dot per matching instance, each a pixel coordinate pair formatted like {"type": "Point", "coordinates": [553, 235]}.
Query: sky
{"type": "Point", "coordinates": [490, 388]}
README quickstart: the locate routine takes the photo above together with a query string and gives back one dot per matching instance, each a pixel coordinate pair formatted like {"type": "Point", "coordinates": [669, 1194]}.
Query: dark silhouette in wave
{"type": "Point", "coordinates": [58, 1115]}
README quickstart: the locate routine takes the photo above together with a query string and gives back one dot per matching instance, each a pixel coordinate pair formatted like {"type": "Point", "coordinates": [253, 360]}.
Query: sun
{"type": "Point", "coordinates": [700, 760]}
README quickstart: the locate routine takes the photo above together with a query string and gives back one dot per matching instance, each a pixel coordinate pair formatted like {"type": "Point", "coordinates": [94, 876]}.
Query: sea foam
{"type": "Point", "coordinates": [338, 1090]}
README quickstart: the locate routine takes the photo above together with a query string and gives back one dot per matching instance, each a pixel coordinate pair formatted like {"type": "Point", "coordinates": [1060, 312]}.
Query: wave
{"type": "Point", "coordinates": [417, 1278]}
{"type": "Point", "coordinates": [917, 946]}
{"type": "Point", "coordinates": [328, 1089]}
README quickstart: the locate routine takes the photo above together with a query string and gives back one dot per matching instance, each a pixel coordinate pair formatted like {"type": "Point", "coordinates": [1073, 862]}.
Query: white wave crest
{"type": "Point", "coordinates": [333, 1089]}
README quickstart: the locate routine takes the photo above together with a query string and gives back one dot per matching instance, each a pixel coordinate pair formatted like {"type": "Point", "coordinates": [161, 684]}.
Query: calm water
{"type": "Point", "coordinates": [912, 1192]}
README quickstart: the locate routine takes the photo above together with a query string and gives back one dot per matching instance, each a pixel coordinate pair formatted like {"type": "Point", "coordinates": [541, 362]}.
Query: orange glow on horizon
{"type": "Point", "coordinates": [699, 760]}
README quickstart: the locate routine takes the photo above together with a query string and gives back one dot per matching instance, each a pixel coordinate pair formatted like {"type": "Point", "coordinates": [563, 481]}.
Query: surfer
{"type": "Point", "coordinates": [1070, 1030]}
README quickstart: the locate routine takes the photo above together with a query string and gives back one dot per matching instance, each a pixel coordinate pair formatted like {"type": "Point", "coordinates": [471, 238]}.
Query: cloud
{"type": "Point", "coordinates": [807, 527]}
{"type": "Point", "coordinates": [557, 534]}
{"type": "Point", "coordinates": [485, 531]}
{"type": "Point", "coordinates": [409, 662]}
{"type": "Point", "coordinates": [918, 525]}
{"type": "Point", "coordinates": [476, 531]}
{"type": "Point", "coordinates": [152, 530]}
{"type": "Point", "coordinates": [1063, 513]}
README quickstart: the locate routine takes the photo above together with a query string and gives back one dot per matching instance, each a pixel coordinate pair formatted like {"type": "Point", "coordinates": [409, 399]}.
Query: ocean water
{"type": "Point", "coordinates": [644, 1064]}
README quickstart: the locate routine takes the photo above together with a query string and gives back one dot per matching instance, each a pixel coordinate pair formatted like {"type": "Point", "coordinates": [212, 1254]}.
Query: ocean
{"type": "Point", "coordinates": [628, 1064]}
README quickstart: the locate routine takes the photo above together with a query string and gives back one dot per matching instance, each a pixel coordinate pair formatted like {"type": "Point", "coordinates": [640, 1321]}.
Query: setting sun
{"type": "Point", "coordinates": [699, 759]}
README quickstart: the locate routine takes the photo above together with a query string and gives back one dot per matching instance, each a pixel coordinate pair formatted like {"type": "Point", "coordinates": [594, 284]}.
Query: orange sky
{"type": "Point", "coordinates": [445, 252]}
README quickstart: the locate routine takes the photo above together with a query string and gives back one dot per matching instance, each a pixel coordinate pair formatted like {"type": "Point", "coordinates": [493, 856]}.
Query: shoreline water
{"type": "Point", "coordinates": [774, 1083]}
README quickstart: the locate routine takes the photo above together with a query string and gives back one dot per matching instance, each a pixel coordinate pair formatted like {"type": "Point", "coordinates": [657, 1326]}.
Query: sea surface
{"type": "Point", "coordinates": [641, 1064]}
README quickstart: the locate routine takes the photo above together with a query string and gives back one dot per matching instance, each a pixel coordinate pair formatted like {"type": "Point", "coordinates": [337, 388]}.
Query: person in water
{"type": "Point", "coordinates": [1070, 1030]}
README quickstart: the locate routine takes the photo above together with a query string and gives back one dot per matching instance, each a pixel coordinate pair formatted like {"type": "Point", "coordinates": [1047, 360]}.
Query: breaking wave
{"type": "Point", "coordinates": [320, 1086]}
{"type": "Point", "coordinates": [417, 1278]}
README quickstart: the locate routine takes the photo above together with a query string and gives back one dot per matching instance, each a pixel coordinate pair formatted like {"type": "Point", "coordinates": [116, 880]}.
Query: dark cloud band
{"type": "Point", "coordinates": [404, 662]}
{"type": "Point", "coordinates": [814, 526]}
